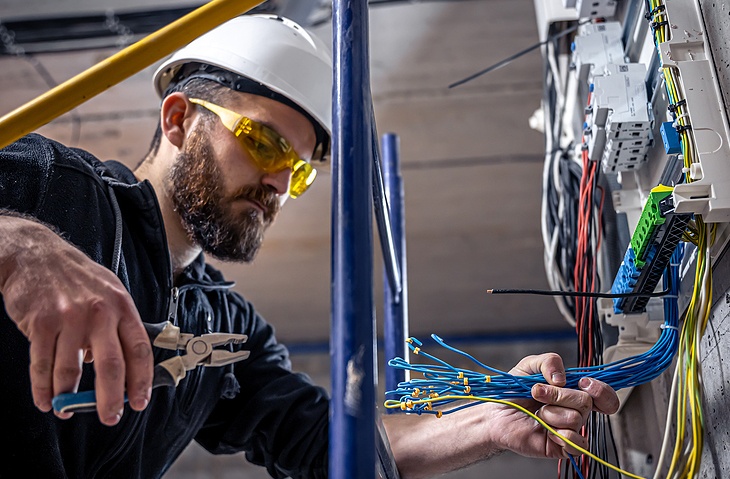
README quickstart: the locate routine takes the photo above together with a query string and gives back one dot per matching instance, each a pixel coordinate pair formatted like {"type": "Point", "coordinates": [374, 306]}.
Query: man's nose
{"type": "Point", "coordinates": [279, 181]}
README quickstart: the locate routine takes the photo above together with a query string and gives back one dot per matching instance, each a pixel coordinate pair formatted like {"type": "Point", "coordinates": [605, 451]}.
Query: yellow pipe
{"type": "Point", "coordinates": [123, 64]}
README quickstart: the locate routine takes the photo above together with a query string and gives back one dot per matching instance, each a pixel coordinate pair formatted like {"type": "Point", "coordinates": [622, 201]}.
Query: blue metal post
{"type": "Point", "coordinates": [352, 409]}
{"type": "Point", "coordinates": [395, 328]}
{"type": "Point", "coordinates": [382, 217]}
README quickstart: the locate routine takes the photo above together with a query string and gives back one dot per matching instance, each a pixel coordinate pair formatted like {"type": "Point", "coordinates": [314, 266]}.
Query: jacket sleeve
{"type": "Point", "coordinates": [25, 169]}
{"type": "Point", "coordinates": [58, 187]}
{"type": "Point", "coordinates": [279, 418]}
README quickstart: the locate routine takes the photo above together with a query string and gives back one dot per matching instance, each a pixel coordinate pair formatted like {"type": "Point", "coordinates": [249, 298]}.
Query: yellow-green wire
{"type": "Point", "coordinates": [395, 404]}
{"type": "Point", "coordinates": [686, 460]}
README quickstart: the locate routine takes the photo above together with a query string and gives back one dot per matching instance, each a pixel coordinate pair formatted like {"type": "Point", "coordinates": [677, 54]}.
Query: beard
{"type": "Point", "coordinates": [206, 213]}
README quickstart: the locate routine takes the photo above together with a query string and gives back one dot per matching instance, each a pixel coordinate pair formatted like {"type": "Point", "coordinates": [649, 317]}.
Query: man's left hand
{"type": "Point", "coordinates": [565, 410]}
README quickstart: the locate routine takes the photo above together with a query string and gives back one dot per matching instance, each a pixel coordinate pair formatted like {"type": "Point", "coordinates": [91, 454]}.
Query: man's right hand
{"type": "Point", "coordinates": [72, 309]}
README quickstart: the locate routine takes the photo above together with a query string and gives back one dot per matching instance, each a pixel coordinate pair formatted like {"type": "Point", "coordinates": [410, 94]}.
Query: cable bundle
{"type": "Point", "coordinates": [686, 393]}
{"type": "Point", "coordinates": [560, 181]}
{"type": "Point", "coordinates": [443, 384]}
{"type": "Point", "coordinates": [586, 278]}
{"type": "Point", "coordinates": [442, 379]}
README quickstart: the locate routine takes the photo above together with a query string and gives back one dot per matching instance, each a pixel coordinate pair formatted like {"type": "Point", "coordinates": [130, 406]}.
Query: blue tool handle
{"type": "Point", "coordinates": [84, 401]}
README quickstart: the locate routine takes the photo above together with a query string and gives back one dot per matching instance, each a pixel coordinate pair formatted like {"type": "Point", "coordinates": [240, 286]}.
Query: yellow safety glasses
{"type": "Point", "coordinates": [271, 152]}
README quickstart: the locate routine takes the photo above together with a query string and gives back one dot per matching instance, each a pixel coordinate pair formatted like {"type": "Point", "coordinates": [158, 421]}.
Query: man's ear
{"type": "Point", "coordinates": [176, 115]}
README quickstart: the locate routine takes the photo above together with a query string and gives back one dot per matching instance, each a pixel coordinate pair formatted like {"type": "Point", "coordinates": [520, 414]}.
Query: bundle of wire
{"type": "Point", "coordinates": [443, 384]}
{"type": "Point", "coordinates": [442, 379]}
{"type": "Point", "coordinates": [677, 104]}
{"type": "Point", "coordinates": [586, 278]}
{"type": "Point", "coordinates": [573, 224]}
{"type": "Point", "coordinates": [561, 177]}
{"type": "Point", "coordinates": [686, 392]}
{"type": "Point", "coordinates": [687, 381]}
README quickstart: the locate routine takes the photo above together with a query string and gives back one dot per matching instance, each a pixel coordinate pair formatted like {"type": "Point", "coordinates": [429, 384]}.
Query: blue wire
{"type": "Point", "coordinates": [443, 379]}
{"type": "Point", "coordinates": [575, 466]}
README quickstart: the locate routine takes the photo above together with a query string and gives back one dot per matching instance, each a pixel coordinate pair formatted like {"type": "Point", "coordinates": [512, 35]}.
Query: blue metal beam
{"type": "Point", "coordinates": [395, 327]}
{"type": "Point", "coordinates": [352, 348]}
{"type": "Point", "coordinates": [382, 217]}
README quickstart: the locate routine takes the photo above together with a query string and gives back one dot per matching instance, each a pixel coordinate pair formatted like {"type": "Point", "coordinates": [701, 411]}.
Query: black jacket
{"type": "Point", "coordinates": [277, 417]}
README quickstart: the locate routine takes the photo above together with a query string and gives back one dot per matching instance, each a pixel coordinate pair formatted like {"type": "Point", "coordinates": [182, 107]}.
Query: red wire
{"type": "Point", "coordinates": [585, 268]}
{"type": "Point", "coordinates": [583, 241]}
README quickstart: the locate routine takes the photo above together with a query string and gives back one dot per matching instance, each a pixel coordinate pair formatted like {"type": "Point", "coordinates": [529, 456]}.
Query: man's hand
{"type": "Point", "coordinates": [72, 309]}
{"type": "Point", "coordinates": [428, 446]}
{"type": "Point", "coordinates": [566, 410]}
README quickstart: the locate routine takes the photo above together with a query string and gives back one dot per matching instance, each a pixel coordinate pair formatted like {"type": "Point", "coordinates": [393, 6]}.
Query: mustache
{"type": "Point", "coordinates": [261, 195]}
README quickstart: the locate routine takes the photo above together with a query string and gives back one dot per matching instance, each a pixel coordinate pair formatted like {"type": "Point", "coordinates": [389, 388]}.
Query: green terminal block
{"type": "Point", "coordinates": [651, 217]}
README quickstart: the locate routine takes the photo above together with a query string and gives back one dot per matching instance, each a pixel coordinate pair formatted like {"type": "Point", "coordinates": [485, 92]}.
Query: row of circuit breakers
{"type": "Point", "coordinates": [618, 132]}
{"type": "Point", "coordinates": [618, 118]}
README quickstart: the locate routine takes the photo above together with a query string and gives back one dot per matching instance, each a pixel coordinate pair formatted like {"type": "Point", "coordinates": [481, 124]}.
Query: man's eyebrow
{"type": "Point", "coordinates": [266, 123]}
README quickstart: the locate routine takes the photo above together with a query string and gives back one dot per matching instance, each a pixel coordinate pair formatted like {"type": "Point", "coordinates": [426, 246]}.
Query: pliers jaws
{"type": "Point", "coordinates": [199, 351]}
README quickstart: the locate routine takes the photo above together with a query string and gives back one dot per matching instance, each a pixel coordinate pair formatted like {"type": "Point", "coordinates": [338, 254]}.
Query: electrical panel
{"type": "Point", "coordinates": [596, 46]}
{"type": "Point", "coordinates": [620, 114]}
{"type": "Point", "coordinates": [687, 54]}
{"type": "Point", "coordinates": [636, 199]}
{"type": "Point", "coordinates": [592, 8]}
{"type": "Point", "coordinates": [618, 121]}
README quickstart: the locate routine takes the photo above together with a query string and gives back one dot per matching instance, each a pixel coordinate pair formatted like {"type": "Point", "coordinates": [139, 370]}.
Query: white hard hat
{"type": "Point", "coordinates": [283, 59]}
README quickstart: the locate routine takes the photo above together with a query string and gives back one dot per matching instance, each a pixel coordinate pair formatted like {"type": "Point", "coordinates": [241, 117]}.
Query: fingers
{"type": "Point", "coordinates": [567, 410]}
{"type": "Point", "coordinates": [42, 353]}
{"type": "Point", "coordinates": [564, 399]}
{"type": "Point", "coordinates": [72, 310]}
{"type": "Point", "coordinates": [560, 417]}
{"type": "Point", "coordinates": [605, 399]}
{"type": "Point", "coordinates": [122, 359]}
{"type": "Point", "coordinates": [550, 365]}
{"type": "Point", "coordinates": [67, 365]}
{"type": "Point", "coordinates": [105, 328]}
{"type": "Point", "coordinates": [567, 423]}
{"type": "Point", "coordinates": [110, 372]}
{"type": "Point", "coordinates": [565, 448]}
{"type": "Point", "coordinates": [594, 396]}
{"type": "Point", "coordinates": [139, 361]}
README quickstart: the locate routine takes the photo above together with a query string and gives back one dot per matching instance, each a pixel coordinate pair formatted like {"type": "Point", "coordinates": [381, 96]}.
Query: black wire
{"type": "Point", "coordinates": [517, 55]}
{"type": "Point", "coordinates": [571, 173]}
{"type": "Point", "coordinates": [599, 434]}
{"type": "Point", "coordinates": [562, 183]}
{"type": "Point", "coordinates": [578, 294]}
{"type": "Point", "coordinates": [567, 469]}
{"type": "Point", "coordinates": [613, 443]}
{"type": "Point", "coordinates": [593, 438]}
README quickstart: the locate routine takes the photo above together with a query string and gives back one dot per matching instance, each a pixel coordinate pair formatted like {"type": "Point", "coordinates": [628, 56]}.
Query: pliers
{"type": "Point", "coordinates": [199, 352]}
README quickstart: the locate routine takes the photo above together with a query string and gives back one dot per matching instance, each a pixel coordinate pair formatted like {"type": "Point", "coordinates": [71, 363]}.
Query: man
{"type": "Point", "coordinates": [92, 251]}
